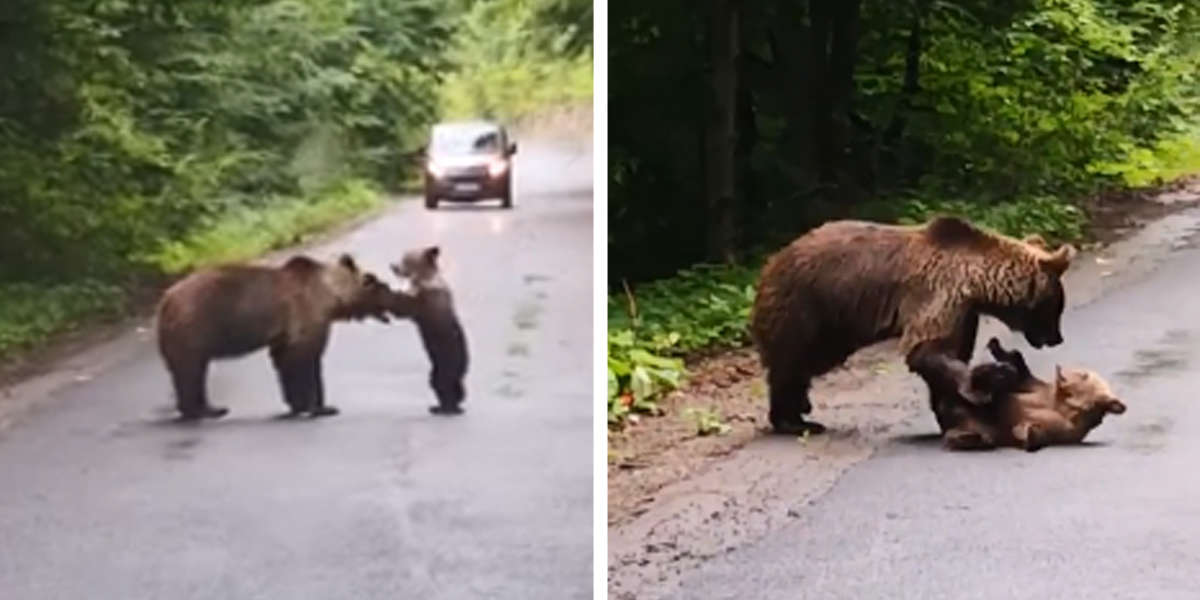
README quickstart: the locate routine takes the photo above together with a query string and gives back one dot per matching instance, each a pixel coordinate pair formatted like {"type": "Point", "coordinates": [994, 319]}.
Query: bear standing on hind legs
{"type": "Point", "coordinates": [431, 307]}
{"type": "Point", "coordinates": [849, 284]}
{"type": "Point", "coordinates": [233, 310]}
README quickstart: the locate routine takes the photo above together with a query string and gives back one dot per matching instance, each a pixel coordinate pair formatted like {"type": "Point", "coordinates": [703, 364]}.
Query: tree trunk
{"type": "Point", "coordinates": [833, 54]}
{"type": "Point", "coordinates": [820, 18]}
{"type": "Point", "coordinates": [722, 130]}
{"type": "Point", "coordinates": [912, 73]}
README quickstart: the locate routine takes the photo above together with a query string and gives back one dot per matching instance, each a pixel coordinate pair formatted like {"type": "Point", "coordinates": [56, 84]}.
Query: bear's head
{"type": "Point", "coordinates": [420, 267]}
{"type": "Point", "coordinates": [358, 294]}
{"type": "Point", "coordinates": [1085, 391]}
{"type": "Point", "coordinates": [1036, 310]}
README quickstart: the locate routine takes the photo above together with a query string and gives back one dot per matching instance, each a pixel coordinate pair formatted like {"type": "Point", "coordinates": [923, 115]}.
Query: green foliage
{"type": "Point", "coordinates": [30, 312]}
{"type": "Point", "coordinates": [1168, 159]}
{"type": "Point", "coordinates": [652, 327]}
{"type": "Point", "coordinates": [1007, 108]}
{"type": "Point", "coordinates": [637, 377]}
{"type": "Point", "coordinates": [707, 421]}
{"type": "Point", "coordinates": [1053, 219]}
{"type": "Point", "coordinates": [129, 125]}
{"type": "Point", "coordinates": [702, 307]}
{"type": "Point", "coordinates": [243, 234]}
{"type": "Point", "coordinates": [514, 57]}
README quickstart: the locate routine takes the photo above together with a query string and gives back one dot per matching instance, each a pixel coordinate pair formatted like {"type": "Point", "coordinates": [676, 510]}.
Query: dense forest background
{"type": "Point", "coordinates": [140, 138]}
{"type": "Point", "coordinates": [734, 126]}
{"type": "Point", "coordinates": [732, 123]}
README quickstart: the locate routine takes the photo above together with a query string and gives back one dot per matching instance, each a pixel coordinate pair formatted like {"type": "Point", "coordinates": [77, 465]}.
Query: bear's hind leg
{"type": "Point", "coordinates": [789, 402]}
{"type": "Point", "coordinates": [189, 379]}
{"type": "Point", "coordinates": [450, 393]}
{"type": "Point", "coordinates": [291, 381]}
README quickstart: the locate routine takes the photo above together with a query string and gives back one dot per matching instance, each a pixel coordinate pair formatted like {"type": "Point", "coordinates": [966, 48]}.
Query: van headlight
{"type": "Point", "coordinates": [497, 167]}
{"type": "Point", "coordinates": [435, 169]}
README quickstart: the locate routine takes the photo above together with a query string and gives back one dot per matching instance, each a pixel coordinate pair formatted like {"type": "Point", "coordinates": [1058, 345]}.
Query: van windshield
{"type": "Point", "coordinates": [464, 141]}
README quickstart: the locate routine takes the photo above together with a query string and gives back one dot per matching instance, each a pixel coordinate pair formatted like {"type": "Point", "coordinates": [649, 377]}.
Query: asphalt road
{"type": "Point", "coordinates": [1118, 517]}
{"type": "Point", "coordinates": [102, 497]}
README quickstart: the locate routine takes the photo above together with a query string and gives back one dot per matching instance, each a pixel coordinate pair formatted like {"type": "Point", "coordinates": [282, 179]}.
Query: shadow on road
{"type": "Point", "coordinates": [934, 440]}
{"type": "Point", "coordinates": [483, 206]}
{"type": "Point", "coordinates": [920, 439]}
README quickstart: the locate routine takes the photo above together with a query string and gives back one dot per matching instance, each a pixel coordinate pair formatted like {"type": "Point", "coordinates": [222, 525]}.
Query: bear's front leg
{"type": "Point", "coordinates": [317, 391]}
{"type": "Point", "coordinates": [296, 379]}
{"type": "Point", "coordinates": [946, 376]}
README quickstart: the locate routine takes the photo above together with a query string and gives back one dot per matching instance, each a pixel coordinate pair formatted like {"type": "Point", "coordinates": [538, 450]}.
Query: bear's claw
{"type": "Point", "coordinates": [797, 427]}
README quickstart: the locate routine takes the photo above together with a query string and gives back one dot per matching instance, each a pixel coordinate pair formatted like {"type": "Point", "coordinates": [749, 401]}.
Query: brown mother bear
{"type": "Point", "coordinates": [849, 284]}
{"type": "Point", "coordinates": [233, 310]}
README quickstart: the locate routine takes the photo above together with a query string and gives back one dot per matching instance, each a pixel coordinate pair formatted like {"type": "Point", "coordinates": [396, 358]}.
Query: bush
{"type": "Point", "coordinates": [31, 312]}
{"type": "Point", "coordinates": [246, 233]}
{"type": "Point", "coordinates": [702, 308]}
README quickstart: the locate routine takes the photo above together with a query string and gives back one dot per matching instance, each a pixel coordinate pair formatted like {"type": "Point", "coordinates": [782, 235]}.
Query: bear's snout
{"type": "Point", "coordinates": [1043, 340]}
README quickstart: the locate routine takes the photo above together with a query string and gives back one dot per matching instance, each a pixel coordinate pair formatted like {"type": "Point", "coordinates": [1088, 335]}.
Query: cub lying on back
{"type": "Point", "coordinates": [441, 332]}
{"type": "Point", "coordinates": [1026, 412]}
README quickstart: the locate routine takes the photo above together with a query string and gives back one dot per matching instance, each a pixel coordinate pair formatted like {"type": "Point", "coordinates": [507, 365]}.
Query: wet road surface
{"type": "Point", "coordinates": [1117, 517]}
{"type": "Point", "coordinates": [102, 497]}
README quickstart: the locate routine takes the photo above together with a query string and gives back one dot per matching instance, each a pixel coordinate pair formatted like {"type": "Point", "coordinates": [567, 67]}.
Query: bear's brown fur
{"type": "Point", "coordinates": [432, 309]}
{"type": "Point", "coordinates": [233, 310]}
{"type": "Point", "coordinates": [849, 284]}
{"type": "Point", "coordinates": [1026, 412]}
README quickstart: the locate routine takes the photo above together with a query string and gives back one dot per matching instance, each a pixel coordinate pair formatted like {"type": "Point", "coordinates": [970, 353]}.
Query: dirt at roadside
{"type": "Point", "coordinates": [655, 451]}
{"type": "Point", "coordinates": [676, 498]}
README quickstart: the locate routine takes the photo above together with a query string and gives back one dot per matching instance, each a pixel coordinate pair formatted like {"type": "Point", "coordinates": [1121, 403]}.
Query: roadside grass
{"type": "Point", "coordinates": [654, 327]}
{"type": "Point", "coordinates": [33, 312]}
{"type": "Point", "coordinates": [1167, 160]}
{"type": "Point", "coordinates": [247, 233]}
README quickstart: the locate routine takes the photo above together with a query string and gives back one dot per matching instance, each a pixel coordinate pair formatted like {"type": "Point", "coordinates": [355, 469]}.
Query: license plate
{"type": "Point", "coordinates": [466, 187]}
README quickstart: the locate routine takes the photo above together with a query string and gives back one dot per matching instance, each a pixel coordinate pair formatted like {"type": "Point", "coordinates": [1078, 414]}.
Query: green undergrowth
{"type": "Point", "coordinates": [33, 312]}
{"type": "Point", "coordinates": [1168, 159]}
{"type": "Point", "coordinates": [653, 327]}
{"type": "Point", "coordinates": [247, 233]}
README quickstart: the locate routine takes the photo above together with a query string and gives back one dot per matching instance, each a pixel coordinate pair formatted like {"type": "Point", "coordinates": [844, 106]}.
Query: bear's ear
{"type": "Point", "coordinates": [431, 254]}
{"type": "Point", "coordinates": [1037, 241]}
{"type": "Point", "coordinates": [1058, 262]}
{"type": "Point", "coordinates": [347, 261]}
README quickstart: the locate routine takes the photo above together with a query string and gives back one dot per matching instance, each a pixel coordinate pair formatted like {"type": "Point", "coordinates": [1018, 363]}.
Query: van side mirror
{"type": "Point", "coordinates": [512, 148]}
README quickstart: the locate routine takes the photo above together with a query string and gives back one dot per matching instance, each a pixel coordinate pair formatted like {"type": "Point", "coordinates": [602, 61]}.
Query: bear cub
{"type": "Point", "coordinates": [1026, 412]}
{"type": "Point", "coordinates": [432, 309]}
